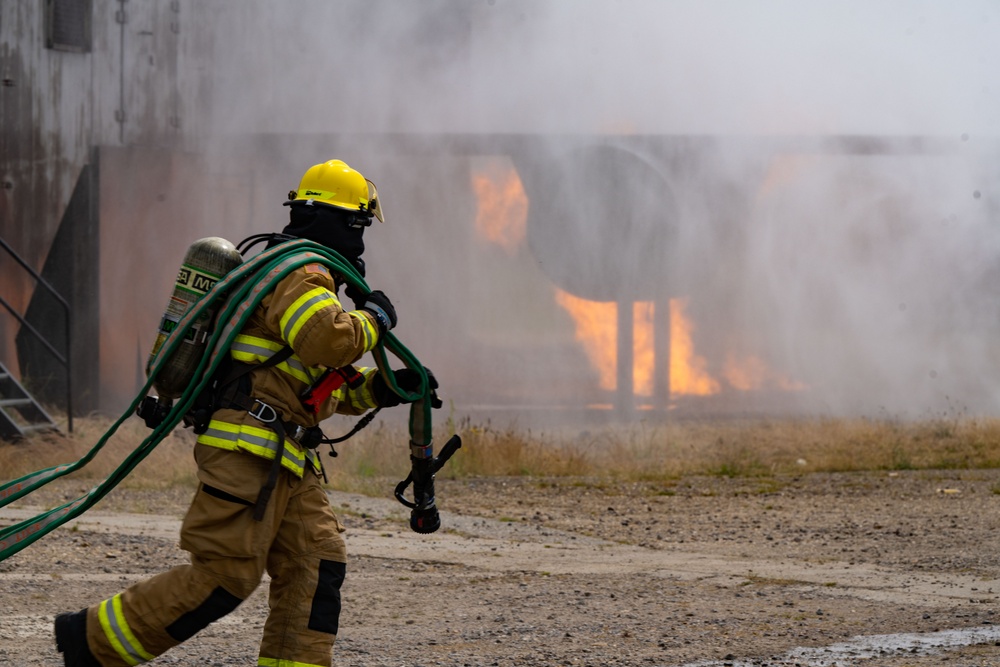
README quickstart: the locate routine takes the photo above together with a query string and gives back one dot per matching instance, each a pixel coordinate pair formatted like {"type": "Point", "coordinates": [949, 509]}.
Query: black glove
{"type": "Point", "coordinates": [380, 307]}
{"type": "Point", "coordinates": [424, 517]}
{"type": "Point", "coordinates": [406, 379]}
{"type": "Point", "coordinates": [352, 292]}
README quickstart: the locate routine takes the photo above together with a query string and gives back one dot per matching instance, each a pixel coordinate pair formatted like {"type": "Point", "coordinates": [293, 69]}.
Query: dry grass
{"type": "Point", "coordinates": [170, 464]}
{"type": "Point", "coordinates": [669, 451]}
{"type": "Point", "coordinates": [636, 452]}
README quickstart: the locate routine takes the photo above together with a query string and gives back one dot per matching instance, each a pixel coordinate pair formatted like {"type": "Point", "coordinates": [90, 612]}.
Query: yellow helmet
{"type": "Point", "coordinates": [333, 183]}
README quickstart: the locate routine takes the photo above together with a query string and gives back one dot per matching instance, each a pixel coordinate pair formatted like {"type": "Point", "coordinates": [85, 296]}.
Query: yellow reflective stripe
{"type": "Point", "coordinates": [360, 398]}
{"type": "Point", "coordinates": [102, 614]}
{"type": "Point", "coordinates": [281, 662]}
{"type": "Point", "coordinates": [268, 439]}
{"type": "Point", "coordinates": [302, 309]}
{"type": "Point", "coordinates": [219, 435]}
{"type": "Point", "coordinates": [262, 442]}
{"type": "Point", "coordinates": [135, 644]}
{"type": "Point", "coordinates": [368, 329]}
{"type": "Point", "coordinates": [119, 634]}
{"type": "Point", "coordinates": [254, 350]}
{"type": "Point", "coordinates": [313, 459]}
{"type": "Point", "coordinates": [257, 341]}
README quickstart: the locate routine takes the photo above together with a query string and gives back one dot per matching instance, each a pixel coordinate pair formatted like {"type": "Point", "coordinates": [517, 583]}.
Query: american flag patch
{"type": "Point", "coordinates": [318, 269]}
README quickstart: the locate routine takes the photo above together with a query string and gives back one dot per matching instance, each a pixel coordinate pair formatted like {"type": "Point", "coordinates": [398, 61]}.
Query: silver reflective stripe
{"type": "Point", "coordinates": [262, 354]}
{"type": "Point", "coordinates": [368, 329]}
{"type": "Point", "coordinates": [292, 323]}
{"type": "Point", "coordinates": [360, 398]}
{"type": "Point", "coordinates": [313, 459]}
{"type": "Point", "coordinates": [258, 445]}
{"type": "Point", "coordinates": [116, 626]}
{"type": "Point", "coordinates": [257, 440]}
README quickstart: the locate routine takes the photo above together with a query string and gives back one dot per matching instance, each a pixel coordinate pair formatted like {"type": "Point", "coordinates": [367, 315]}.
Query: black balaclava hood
{"type": "Point", "coordinates": [328, 226]}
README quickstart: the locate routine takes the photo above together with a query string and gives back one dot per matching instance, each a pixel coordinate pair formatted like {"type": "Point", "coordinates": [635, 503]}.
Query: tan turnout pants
{"type": "Point", "coordinates": [298, 543]}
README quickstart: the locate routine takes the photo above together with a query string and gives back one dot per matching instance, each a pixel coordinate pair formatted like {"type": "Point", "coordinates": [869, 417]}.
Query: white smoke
{"type": "Point", "coordinates": [676, 66]}
{"type": "Point", "coordinates": [865, 275]}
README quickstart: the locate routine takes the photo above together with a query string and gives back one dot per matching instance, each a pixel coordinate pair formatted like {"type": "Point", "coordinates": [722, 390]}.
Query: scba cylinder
{"type": "Point", "coordinates": [207, 261]}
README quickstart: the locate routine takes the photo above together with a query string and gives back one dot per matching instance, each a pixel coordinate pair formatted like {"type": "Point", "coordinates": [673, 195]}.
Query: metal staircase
{"type": "Point", "coordinates": [20, 414]}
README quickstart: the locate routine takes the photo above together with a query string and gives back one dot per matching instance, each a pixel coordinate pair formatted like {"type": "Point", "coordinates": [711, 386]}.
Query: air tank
{"type": "Point", "coordinates": [207, 261]}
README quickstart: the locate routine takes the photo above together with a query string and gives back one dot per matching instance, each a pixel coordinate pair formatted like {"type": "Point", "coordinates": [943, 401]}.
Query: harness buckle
{"type": "Point", "coordinates": [263, 412]}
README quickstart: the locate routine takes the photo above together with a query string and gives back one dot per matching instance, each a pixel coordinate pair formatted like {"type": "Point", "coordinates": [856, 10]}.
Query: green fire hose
{"type": "Point", "coordinates": [241, 291]}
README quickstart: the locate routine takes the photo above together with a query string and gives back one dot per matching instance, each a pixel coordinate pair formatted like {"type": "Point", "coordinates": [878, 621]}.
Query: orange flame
{"type": "Point", "coordinates": [752, 373]}
{"type": "Point", "coordinates": [688, 374]}
{"type": "Point", "coordinates": [597, 331]}
{"type": "Point", "coordinates": [501, 219]}
{"type": "Point", "coordinates": [502, 205]}
{"type": "Point", "coordinates": [643, 348]}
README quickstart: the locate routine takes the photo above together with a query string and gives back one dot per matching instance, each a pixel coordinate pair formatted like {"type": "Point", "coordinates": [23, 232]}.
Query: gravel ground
{"type": "Point", "coordinates": [873, 569]}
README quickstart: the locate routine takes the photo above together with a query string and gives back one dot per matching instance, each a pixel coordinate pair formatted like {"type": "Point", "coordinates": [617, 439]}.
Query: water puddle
{"type": "Point", "coordinates": [857, 650]}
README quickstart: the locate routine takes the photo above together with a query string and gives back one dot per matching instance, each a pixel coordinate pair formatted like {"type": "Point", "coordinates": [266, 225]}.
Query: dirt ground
{"type": "Point", "coordinates": [874, 569]}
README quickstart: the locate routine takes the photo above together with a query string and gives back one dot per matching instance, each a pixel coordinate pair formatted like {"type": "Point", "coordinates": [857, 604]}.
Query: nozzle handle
{"type": "Point", "coordinates": [453, 445]}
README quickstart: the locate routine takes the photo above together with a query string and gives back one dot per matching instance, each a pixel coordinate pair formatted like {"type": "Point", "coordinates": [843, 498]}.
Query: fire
{"type": "Point", "coordinates": [688, 374]}
{"type": "Point", "coordinates": [597, 331]}
{"type": "Point", "coordinates": [502, 205]}
{"type": "Point", "coordinates": [752, 373]}
{"type": "Point", "coordinates": [643, 348]}
{"type": "Point", "coordinates": [501, 219]}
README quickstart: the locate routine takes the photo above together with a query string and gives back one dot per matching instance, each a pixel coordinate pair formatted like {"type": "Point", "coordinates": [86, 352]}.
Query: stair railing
{"type": "Point", "coordinates": [63, 359]}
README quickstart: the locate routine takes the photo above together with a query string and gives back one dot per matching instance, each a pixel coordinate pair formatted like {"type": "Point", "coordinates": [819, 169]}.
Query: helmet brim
{"type": "Point", "coordinates": [374, 205]}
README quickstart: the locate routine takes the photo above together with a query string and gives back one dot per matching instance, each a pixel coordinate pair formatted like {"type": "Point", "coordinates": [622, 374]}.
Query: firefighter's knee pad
{"type": "Point", "coordinates": [219, 603]}
{"type": "Point", "coordinates": [324, 616]}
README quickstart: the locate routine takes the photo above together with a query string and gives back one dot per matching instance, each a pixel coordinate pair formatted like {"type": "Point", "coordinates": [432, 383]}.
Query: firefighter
{"type": "Point", "coordinates": [259, 504]}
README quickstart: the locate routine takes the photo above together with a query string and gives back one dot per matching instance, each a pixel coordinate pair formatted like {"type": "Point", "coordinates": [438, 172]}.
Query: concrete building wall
{"type": "Point", "coordinates": [77, 76]}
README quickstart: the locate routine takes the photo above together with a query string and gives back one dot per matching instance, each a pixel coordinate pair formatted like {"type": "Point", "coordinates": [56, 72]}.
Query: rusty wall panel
{"type": "Point", "coordinates": [148, 219]}
{"type": "Point", "coordinates": [154, 203]}
{"type": "Point", "coordinates": [15, 149]}
{"type": "Point", "coordinates": [44, 122]}
{"type": "Point", "coordinates": [70, 270]}
{"type": "Point", "coordinates": [58, 106]}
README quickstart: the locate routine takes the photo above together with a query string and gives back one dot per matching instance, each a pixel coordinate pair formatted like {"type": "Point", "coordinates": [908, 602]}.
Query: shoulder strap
{"type": "Point", "coordinates": [239, 370]}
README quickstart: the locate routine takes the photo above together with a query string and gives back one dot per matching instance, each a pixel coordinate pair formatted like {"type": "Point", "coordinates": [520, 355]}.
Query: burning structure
{"type": "Point", "coordinates": [582, 233]}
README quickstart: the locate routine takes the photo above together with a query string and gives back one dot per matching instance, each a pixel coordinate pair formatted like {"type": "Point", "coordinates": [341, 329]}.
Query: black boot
{"type": "Point", "coordinates": [71, 640]}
